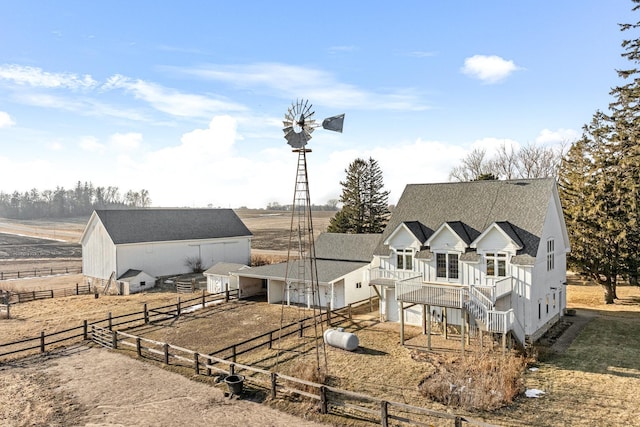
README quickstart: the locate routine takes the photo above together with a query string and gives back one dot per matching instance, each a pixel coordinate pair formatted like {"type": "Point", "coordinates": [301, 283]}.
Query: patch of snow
{"type": "Point", "coordinates": [534, 369]}
{"type": "Point", "coordinates": [199, 306]}
{"type": "Point", "coordinates": [534, 392]}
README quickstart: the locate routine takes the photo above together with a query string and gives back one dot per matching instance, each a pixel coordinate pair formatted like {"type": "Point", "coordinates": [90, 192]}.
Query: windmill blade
{"type": "Point", "coordinates": [333, 123]}
{"type": "Point", "coordinates": [287, 129]}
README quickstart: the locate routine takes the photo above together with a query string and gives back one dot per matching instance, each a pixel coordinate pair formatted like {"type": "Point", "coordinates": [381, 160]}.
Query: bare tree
{"type": "Point", "coordinates": [473, 167]}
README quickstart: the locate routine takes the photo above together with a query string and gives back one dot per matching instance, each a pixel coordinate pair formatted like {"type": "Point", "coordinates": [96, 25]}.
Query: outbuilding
{"type": "Point", "coordinates": [161, 242]}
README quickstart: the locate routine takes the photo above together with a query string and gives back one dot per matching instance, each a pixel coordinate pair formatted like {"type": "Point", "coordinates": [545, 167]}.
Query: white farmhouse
{"type": "Point", "coordinates": [342, 264]}
{"type": "Point", "coordinates": [158, 242]}
{"type": "Point", "coordinates": [490, 253]}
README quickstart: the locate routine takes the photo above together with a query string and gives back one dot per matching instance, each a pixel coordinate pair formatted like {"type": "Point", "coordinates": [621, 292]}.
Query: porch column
{"type": "Point", "coordinates": [444, 322]}
{"type": "Point", "coordinates": [401, 322]}
{"type": "Point", "coordinates": [424, 319]}
{"type": "Point", "coordinates": [429, 328]}
{"type": "Point", "coordinates": [462, 324]}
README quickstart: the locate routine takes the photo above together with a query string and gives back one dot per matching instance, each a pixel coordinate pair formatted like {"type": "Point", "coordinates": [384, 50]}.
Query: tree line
{"type": "Point", "coordinates": [63, 203]}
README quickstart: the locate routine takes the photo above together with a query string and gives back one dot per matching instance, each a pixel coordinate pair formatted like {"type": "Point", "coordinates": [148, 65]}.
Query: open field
{"type": "Point", "coordinates": [592, 383]}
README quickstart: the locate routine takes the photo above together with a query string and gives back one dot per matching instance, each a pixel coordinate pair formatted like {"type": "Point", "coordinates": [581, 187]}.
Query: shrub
{"type": "Point", "coordinates": [484, 381]}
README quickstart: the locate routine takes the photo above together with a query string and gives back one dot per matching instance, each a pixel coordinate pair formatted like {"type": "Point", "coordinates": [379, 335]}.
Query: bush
{"type": "Point", "coordinates": [486, 381]}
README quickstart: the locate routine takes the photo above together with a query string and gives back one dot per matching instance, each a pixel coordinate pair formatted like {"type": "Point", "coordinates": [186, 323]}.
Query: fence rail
{"type": "Point", "coordinates": [329, 398]}
{"type": "Point", "coordinates": [49, 341]}
{"type": "Point", "coordinates": [11, 297]}
{"type": "Point", "coordinates": [39, 272]}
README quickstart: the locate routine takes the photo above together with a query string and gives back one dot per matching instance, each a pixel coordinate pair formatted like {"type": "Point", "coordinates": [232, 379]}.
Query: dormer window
{"type": "Point", "coordinates": [496, 264]}
{"type": "Point", "coordinates": [447, 266]}
{"type": "Point", "coordinates": [404, 259]}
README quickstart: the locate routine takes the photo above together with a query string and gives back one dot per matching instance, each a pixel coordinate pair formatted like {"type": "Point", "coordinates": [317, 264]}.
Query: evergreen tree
{"type": "Point", "coordinates": [600, 185]}
{"type": "Point", "coordinates": [364, 202]}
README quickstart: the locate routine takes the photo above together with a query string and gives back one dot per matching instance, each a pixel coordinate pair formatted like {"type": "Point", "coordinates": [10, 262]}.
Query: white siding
{"type": "Point", "coordinates": [351, 293]}
{"type": "Point", "coordinates": [167, 258]}
{"type": "Point", "coordinates": [98, 251]}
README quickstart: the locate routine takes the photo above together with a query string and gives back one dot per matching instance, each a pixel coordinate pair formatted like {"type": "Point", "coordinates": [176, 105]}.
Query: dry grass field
{"type": "Point", "coordinates": [593, 382]}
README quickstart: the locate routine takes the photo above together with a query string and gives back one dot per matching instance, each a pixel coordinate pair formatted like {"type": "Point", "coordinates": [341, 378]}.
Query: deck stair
{"type": "Point", "coordinates": [471, 298]}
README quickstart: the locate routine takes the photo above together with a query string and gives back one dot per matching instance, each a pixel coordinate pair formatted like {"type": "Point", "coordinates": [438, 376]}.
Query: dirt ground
{"type": "Point", "coordinates": [86, 386]}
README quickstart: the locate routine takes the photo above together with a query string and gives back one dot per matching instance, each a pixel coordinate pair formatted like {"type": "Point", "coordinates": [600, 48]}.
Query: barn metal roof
{"type": "Point", "coordinates": [161, 225]}
{"type": "Point", "coordinates": [328, 270]}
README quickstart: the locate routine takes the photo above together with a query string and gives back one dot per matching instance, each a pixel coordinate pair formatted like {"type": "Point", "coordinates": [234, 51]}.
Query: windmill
{"type": "Point", "coordinates": [301, 277]}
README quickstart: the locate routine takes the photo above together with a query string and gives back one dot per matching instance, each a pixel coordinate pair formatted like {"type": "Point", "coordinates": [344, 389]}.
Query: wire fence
{"type": "Point", "coordinates": [39, 272]}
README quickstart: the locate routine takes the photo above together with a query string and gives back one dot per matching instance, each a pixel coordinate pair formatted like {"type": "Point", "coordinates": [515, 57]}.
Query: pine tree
{"type": "Point", "coordinates": [600, 185]}
{"type": "Point", "coordinates": [364, 202]}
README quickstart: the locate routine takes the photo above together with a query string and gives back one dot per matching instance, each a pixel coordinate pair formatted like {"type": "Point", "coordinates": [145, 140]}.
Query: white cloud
{"type": "Point", "coordinates": [36, 77]}
{"type": "Point", "coordinates": [491, 145]}
{"type": "Point", "coordinates": [289, 81]}
{"type": "Point", "coordinates": [171, 101]}
{"type": "Point", "coordinates": [6, 120]}
{"type": "Point", "coordinates": [55, 146]}
{"type": "Point", "coordinates": [125, 141]}
{"type": "Point", "coordinates": [421, 54]}
{"type": "Point", "coordinates": [549, 137]}
{"type": "Point", "coordinates": [91, 144]}
{"type": "Point", "coordinates": [489, 69]}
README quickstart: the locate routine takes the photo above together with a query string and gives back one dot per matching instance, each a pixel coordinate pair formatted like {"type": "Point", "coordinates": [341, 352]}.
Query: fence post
{"type": "Point", "coordinates": [110, 322]}
{"type": "Point", "coordinates": [166, 353]}
{"type": "Point", "coordinates": [85, 330]}
{"type": "Point", "coordinates": [178, 308]}
{"type": "Point", "coordinates": [349, 311]}
{"type": "Point", "coordinates": [77, 289]}
{"type": "Point", "coordinates": [51, 291]}
{"type": "Point", "coordinates": [146, 314]}
{"type": "Point", "coordinates": [270, 340]}
{"type": "Point", "coordinates": [208, 368]}
{"type": "Point", "coordinates": [274, 384]}
{"type": "Point", "coordinates": [232, 369]}
{"type": "Point", "coordinates": [196, 362]}
{"type": "Point", "coordinates": [42, 342]}
{"type": "Point", "coordinates": [226, 292]}
{"type": "Point", "coordinates": [115, 339]}
{"type": "Point", "coordinates": [203, 299]}
{"type": "Point", "coordinates": [300, 328]}
{"type": "Point", "coordinates": [328, 315]}
{"type": "Point", "coordinates": [457, 422]}
{"type": "Point", "coordinates": [323, 400]}
{"type": "Point", "coordinates": [233, 354]}
{"type": "Point", "coordinates": [138, 347]}
{"type": "Point", "coordinates": [384, 414]}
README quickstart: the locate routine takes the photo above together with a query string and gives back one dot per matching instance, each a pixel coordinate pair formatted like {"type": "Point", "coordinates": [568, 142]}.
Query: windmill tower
{"type": "Point", "coordinates": [301, 279]}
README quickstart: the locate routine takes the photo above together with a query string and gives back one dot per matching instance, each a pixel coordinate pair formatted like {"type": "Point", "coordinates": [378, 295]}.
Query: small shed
{"type": "Point", "coordinates": [134, 281]}
{"type": "Point", "coordinates": [219, 277]}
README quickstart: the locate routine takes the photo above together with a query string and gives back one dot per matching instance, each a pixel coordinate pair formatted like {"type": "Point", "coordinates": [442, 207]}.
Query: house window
{"type": "Point", "coordinates": [547, 304]}
{"type": "Point", "coordinates": [143, 283]}
{"type": "Point", "coordinates": [447, 266]}
{"type": "Point", "coordinates": [550, 255]}
{"type": "Point", "coordinates": [358, 285]}
{"type": "Point", "coordinates": [496, 264]}
{"type": "Point", "coordinates": [554, 300]}
{"type": "Point", "coordinates": [404, 260]}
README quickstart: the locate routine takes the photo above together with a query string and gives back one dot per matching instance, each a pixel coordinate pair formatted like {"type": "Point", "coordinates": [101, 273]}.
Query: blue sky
{"type": "Point", "coordinates": [187, 100]}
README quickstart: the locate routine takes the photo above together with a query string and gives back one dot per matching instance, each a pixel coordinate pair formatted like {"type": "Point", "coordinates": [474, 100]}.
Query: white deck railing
{"type": "Point", "coordinates": [381, 273]}
{"type": "Point", "coordinates": [502, 287]}
{"type": "Point", "coordinates": [414, 290]}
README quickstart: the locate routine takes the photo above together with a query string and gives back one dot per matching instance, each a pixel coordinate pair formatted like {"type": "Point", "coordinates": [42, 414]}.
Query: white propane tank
{"type": "Point", "coordinates": [339, 338]}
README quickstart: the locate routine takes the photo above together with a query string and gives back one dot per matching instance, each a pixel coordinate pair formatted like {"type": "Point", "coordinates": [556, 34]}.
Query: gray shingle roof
{"type": "Point", "coordinates": [224, 268]}
{"type": "Point", "coordinates": [477, 204]}
{"type": "Point", "coordinates": [346, 247]}
{"type": "Point", "coordinates": [160, 225]}
{"type": "Point", "coordinates": [328, 270]}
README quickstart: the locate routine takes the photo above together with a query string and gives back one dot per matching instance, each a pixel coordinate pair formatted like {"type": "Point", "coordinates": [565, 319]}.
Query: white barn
{"type": "Point", "coordinates": [342, 264]}
{"type": "Point", "coordinates": [158, 242]}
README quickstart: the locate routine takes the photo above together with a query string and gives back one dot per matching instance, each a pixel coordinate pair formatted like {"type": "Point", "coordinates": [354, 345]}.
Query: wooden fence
{"type": "Point", "coordinates": [39, 272]}
{"type": "Point", "coordinates": [331, 400]}
{"type": "Point", "coordinates": [25, 296]}
{"type": "Point", "coordinates": [49, 341]}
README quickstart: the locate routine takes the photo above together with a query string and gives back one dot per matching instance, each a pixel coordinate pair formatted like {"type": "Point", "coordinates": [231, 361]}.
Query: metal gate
{"type": "Point", "coordinates": [103, 336]}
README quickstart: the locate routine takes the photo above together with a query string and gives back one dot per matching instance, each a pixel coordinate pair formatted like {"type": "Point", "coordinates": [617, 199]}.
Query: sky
{"type": "Point", "coordinates": [186, 99]}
